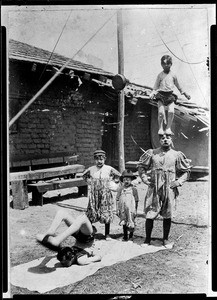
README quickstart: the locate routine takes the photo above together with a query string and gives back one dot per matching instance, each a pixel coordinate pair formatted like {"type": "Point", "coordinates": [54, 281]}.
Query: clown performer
{"type": "Point", "coordinates": [168, 169]}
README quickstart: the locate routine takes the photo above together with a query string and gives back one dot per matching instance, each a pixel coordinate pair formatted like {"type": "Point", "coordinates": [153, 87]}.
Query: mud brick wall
{"type": "Point", "coordinates": [137, 127]}
{"type": "Point", "coordinates": [63, 120]}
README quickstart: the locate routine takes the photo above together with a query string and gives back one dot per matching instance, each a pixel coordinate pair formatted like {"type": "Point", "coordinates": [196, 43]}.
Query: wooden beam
{"type": "Point", "coordinates": [121, 103]}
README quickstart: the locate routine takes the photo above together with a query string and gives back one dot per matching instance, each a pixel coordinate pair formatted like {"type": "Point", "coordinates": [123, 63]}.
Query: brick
{"type": "Point", "coordinates": [21, 163]}
{"type": "Point", "coordinates": [32, 146]}
{"type": "Point", "coordinates": [39, 161]}
{"type": "Point", "coordinates": [55, 160]}
{"type": "Point", "coordinates": [44, 151]}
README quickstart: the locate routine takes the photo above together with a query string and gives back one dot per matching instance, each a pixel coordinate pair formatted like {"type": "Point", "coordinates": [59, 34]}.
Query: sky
{"type": "Point", "coordinates": [89, 34]}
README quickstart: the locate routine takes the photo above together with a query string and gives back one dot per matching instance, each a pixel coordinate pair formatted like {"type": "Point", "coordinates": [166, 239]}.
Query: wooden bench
{"type": "Point", "coordinates": [39, 188]}
{"type": "Point", "coordinates": [42, 162]}
{"type": "Point", "coordinates": [19, 181]}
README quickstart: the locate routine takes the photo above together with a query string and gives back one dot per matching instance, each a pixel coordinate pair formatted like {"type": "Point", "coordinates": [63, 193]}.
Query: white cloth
{"type": "Point", "coordinates": [46, 273]}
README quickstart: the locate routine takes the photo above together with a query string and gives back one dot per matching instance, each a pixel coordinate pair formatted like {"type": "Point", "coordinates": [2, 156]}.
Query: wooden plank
{"type": "Point", "coordinates": [42, 161]}
{"type": "Point", "coordinates": [121, 96]}
{"type": "Point", "coordinates": [61, 184]}
{"type": "Point", "coordinates": [70, 160]}
{"type": "Point", "coordinates": [41, 186]}
{"type": "Point", "coordinates": [21, 163]}
{"type": "Point", "coordinates": [38, 189]}
{"type": "Point", "coordinates": [200, 169]}
{"type": "Point", "coordinates": [53, 160]}
{"type": "Point", "coordinates": [47, 173]}
{"type": "Point", "coordinates": [20, 194]}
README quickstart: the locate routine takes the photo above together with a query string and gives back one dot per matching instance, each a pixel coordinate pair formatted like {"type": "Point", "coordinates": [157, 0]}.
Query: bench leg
{"type": "Point", "coordinates": [20, 194]}
{"type": "Point", "coordinates": [37, 197]}
{"type": "Point", "coordinates": [83, 191]}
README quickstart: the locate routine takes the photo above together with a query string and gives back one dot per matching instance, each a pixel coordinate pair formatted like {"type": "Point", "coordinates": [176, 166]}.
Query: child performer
{"type": "Point", "coordinates": [163, 92]}
{"type": "Point", "coordinates": [74, 255]}
{"type": "Point", "coordinates": [100, 205]}
{"type": "Point", "coordinates": [127, 203]}
{"type": "Point", "coordinates": [80, 228]}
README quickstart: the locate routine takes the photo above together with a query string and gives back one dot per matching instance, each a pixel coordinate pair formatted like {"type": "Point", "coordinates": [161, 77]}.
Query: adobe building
{"type": "Point", "coordinates": [76, 114]}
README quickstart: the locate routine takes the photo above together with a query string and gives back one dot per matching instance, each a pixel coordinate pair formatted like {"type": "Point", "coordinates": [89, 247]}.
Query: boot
{"type": "Point", "coordinates": [125, 238]}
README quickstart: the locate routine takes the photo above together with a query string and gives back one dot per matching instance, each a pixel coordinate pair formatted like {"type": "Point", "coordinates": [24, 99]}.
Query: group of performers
{"type": "Point", "coordinates": [163, 170]}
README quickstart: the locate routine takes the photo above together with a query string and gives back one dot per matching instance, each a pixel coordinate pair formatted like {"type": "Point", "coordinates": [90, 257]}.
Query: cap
{"type": "Point", "coordinates": [99, 152]}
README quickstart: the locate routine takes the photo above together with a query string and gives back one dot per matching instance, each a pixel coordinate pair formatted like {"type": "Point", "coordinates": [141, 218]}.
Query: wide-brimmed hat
{"type": "Point", "coordinates": [99, 152]}
{"type": "Point", "coordinates": [127, 173]}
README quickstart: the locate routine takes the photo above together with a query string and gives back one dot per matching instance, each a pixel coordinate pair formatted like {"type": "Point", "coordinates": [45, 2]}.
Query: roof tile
{"type": "Point", "coordinates": [25, 52]}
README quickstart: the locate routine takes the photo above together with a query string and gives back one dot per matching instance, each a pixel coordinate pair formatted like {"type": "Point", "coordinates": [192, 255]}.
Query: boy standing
{"type": "Point", "coordinates": [101, 203]}
{"type": "Point", "coordinates": [163, 93]}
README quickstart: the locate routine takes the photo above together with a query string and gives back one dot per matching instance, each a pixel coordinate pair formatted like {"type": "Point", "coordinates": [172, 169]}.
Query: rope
{"type": "Point", "coordinates": [11, 122]}
{"type": "Point", "coordinates": [180, 58]}
{"type": "Point", "coordinates": [137, 144]}
{"type": "Point", "coordinates": [55, 46]}
{"type": "Point", "coordinates": [189, 63]}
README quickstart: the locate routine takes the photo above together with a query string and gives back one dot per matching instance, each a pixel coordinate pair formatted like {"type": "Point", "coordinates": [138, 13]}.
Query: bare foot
{"type": "Point", "coordinates": [130, 225]}
{"type": "Point", "coordinates": [108, 238]}
{"type": "Point", "coordinates": [169, 131]}
{"type": "Point", "coordinates": [122, 223]}
{"type": "Point", "coordinates": [40, 236]}
{"type": "Point", "coordinates": [160, 132]}
{"type": "Point", "coordinates": [53, 241]}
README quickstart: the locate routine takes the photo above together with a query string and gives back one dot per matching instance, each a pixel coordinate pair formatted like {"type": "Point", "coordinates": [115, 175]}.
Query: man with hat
{"type": "Point", "coordinates": [168, 169]}
{"type": "Point", "coordinates": [127, 203]}
{"type": "Point", "coordinates": [101, 204]}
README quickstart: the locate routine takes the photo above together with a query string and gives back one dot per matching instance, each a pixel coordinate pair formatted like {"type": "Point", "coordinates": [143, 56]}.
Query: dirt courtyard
{"type": "Point", "coordinates": [180, 270]}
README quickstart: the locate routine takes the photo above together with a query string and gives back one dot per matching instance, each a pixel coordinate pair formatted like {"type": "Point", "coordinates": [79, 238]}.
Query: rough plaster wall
{"type": "Point", "coordinates": [57, 122]}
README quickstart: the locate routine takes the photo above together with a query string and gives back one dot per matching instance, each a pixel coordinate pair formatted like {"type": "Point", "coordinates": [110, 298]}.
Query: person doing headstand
{"type": "Point", "coordinates": [100, 208]}
{"type": "Point", "coordinates": [163, 93]}
{"type": "Point", "coordinates": [75, 255]}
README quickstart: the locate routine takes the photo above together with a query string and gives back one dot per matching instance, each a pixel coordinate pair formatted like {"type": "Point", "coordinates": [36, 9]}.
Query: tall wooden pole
{"type": "Point", "coordinates": [121, 103]}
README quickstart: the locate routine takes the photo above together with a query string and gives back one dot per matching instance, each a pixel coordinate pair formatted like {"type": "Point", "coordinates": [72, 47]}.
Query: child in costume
{"type": "Point", "coordinates": [127, 204]}
{"type": "Point", "coordinates": [74, 255]}
{"type": "Point", "coordinates": [101, 203]}
{"type": "Point", "coordinates": [80, 228]}
{"type": "Point", "coordinates": [100, 208]}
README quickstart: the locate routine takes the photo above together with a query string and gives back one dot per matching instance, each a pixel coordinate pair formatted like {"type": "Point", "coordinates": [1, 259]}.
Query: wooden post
{"type": "Point", "coordinates": [121, 103]}
{"type": "Point", "coordinates": [20, 194]}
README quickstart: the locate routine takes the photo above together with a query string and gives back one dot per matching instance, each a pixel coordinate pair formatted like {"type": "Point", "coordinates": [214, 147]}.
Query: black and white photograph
{"type": "Point", "coordinates": [108, 149]}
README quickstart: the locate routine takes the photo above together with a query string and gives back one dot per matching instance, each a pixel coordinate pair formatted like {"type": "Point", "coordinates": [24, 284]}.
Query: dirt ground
{"type": "Point", "coordinates": [181, 270]}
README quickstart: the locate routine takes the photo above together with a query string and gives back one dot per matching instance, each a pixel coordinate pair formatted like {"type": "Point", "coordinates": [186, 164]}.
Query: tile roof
{"type": "Point", "coordinates": [25, 52]}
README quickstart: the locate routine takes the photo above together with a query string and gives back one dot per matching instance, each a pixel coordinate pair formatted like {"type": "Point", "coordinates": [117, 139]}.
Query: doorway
{"type": "Point", "coordinates": [109, 139]}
